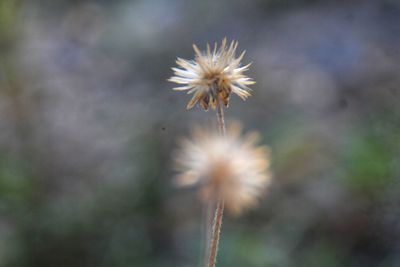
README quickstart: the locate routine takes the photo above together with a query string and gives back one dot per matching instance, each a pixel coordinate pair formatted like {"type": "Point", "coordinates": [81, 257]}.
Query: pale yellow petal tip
{"type": "Point", "coordinates": [197, 50]}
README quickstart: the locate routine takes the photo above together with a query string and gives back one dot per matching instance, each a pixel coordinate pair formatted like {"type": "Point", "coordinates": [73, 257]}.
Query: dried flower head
{"type": "Point", "coordinates": [231, 167]}
{"type": "Point", "coordinates": [212, 75]}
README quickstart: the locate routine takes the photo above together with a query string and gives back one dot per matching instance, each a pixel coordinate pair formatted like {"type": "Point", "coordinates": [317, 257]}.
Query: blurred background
{"type": "Point", "coordinates": [89, 124]}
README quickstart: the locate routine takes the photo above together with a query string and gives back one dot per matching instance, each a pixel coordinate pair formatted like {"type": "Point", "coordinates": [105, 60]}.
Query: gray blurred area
{"type": "Point", "coordinates": [89, 125]}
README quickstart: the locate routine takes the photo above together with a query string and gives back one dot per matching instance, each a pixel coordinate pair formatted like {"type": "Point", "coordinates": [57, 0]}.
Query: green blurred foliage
{"type": "Point", "coordinates": [369, 163]}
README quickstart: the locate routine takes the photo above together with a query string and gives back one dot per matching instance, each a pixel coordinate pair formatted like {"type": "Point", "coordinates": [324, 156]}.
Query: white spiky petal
{"type": "Point", "coordinates": [212, 74]}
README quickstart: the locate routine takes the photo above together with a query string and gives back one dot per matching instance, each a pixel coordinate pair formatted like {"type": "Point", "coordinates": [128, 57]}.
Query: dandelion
{"type": "Point", "coordinates": [230, 167]}
{"type": "Point", "coordinates": [212, 76]}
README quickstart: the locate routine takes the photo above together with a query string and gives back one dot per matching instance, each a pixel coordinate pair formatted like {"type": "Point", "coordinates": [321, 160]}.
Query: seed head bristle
{"type": "Point", "coordinates": [232, 167]}
{"type": "Point", "coordinates": [213, 74]}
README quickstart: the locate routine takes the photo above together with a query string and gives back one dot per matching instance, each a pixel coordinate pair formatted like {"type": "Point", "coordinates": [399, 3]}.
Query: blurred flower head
{"type": "Point", "coordinates": [212, 75]}
{"type": "Point", "coordinates": [231, 167]}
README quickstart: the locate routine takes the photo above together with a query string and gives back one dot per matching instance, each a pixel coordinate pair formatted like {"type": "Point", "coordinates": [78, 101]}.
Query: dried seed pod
{"type": "Point", "coordinates": [213, 74]}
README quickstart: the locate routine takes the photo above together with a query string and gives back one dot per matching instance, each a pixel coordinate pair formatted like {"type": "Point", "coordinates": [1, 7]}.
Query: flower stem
{"type": "Point", "coordinates": [216, 230]}
{"type": "Point", "coordinates": [220, 116]}
{"type": "Point", "coordinates": [219, 210]}
{"type": "Point", "coordinates": [208, 222]}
